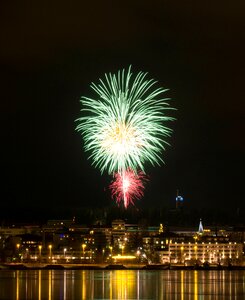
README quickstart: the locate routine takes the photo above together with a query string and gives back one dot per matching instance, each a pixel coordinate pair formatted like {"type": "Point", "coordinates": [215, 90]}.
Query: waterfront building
{"type": "Point", "coordinates": [190, 247]}
{"type": "Point", "coordinates": [66, 241]}
{"type": "Point", "coordinates": [205, 252]}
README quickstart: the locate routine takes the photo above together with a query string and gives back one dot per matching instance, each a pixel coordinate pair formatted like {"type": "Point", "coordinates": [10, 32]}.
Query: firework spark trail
{"type": "Point", "coordinates": [124, 127]}
{"type": "Point", "coordinates": [128, 187]}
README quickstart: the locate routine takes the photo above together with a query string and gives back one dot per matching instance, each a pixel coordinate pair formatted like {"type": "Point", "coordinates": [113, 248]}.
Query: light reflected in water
{"type": "Point", "coordinates": [121, 284]}
{"type": "Point", "coordinates": [50, 285]}
{"type": "Point", "coordinates": [195, 285]}
{"type": "Point", "coordinates": [39, 285]}
{"type": "Point", "coordinates": [17, 285]}
{"type": "Point", "coordinates": [182, 284]}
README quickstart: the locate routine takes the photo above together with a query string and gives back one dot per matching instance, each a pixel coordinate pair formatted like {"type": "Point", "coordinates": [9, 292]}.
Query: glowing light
{"type": "Point", "coordinates": [40, 251]}
{"type": "Point", "coordinates": [128, 187]}
{"type": "Point", "coordinates": [122, 257]}
{"type": "Point", "coordinates": [83, 247]}
{"type": "Point", "coordinates": [124, 126]}
{"type": "Point", "coordinates": [50, 251]}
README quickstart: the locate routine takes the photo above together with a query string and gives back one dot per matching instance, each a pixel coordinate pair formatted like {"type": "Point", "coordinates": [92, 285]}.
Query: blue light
{"type": "Point", "coordinates": [179, 198]}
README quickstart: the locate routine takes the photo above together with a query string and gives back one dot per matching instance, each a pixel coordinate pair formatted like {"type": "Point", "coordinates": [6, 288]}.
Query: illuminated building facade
{"type": "Point", "coordinates": [205, 252]}
{"type": "Point", "coordinates": [147, 244]}
{"type": "Point", "coordinates": [187, 247]}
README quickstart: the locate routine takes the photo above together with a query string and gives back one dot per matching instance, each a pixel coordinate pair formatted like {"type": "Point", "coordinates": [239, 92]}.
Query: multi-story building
{"type": "Point", "coordinates": [65, 240]}
{"type": "Point", "coordinates": [187, 246]}
{"type": "Point", "coordinates": [205, 252]}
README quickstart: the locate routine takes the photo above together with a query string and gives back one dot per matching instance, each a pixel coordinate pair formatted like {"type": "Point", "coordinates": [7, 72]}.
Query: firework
{"type": "Point", "coordinates": [127, 187]}
{"type": "Point", "coordinates": [124, 126]}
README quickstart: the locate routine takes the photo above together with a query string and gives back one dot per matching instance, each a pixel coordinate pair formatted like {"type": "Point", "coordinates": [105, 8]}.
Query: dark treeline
{"type": "Point", "coordinates": [147, 216]}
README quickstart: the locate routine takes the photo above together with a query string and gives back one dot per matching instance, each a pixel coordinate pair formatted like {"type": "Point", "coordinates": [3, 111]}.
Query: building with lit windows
{"type": "Point", "coordinates": [205, 246]}
{"type": "Point", "coordinates": [205, 252]}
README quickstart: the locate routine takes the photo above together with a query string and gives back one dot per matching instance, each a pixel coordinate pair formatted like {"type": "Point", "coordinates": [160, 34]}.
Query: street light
{"type": "Point", "coordinates": [138, 255]}
{"type": "Point", "coordinates": [27, 254]}
{"type": "Point", "coordinates": [83, 246]}
{"type": "Point", "coordinates": [65, 253]}
{"type": "Point", "coordinates": [103, 252]}
{"type": "Point", "coordinates": [40, 251]}
{"type": "Point", "coordinates": [50, 251]}
{"type": "Point", "coordinates": [195, 248]}
{"type": "Point", "coordinates": [110, 247]}
{"type": "Point", "coordinates": [181, 255]}
{"type": "Point", "coordinates": [18, 248]}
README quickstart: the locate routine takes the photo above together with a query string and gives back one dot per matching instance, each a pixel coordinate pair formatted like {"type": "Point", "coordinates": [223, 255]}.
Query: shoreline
{"type": "Point", "coordinates": [42, 266]}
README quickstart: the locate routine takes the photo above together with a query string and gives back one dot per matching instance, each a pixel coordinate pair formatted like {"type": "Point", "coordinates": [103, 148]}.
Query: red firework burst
{"type": "Point", "coordinates": [127, 187]}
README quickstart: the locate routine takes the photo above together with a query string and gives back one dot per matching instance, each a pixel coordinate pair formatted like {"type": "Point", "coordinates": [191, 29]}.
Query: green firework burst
{"type": "Point", "coordinates": [124, 125]}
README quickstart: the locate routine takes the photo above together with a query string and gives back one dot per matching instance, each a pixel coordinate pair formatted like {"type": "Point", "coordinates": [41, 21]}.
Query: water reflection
{"type": "Point", "coordinates": [195, 285]}
{"type": "Point", "coordinates": [39, 285]}
{"type": "Point", "coordinates": [121, 284]}
{"type": "Point", "coordinates": [17, 285]}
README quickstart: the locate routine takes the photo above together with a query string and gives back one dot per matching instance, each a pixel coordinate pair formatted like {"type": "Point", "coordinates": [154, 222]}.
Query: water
{"type": "Point", "coordinates": [121, 284]}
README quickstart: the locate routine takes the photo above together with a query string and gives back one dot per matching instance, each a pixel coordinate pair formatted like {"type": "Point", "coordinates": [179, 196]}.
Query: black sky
{"type": "Point", "coordinates": [51, 51]}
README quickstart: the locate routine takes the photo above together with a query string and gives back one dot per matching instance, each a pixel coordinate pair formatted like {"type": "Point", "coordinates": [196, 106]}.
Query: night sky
{"type": "Point", "coordinates": [51, 51]}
